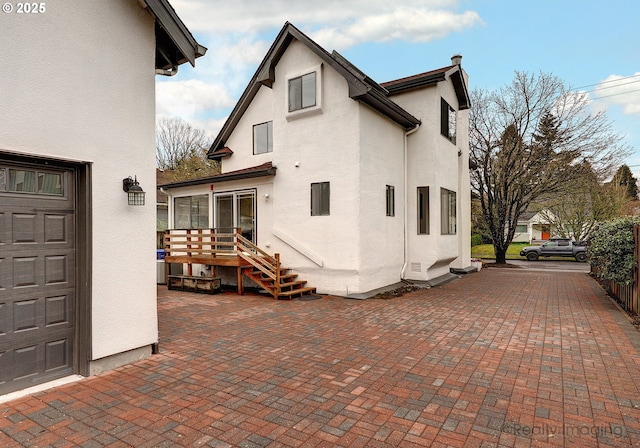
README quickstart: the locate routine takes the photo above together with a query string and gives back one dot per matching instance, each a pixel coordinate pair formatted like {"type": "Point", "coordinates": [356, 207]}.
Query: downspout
{"type": "Point", "coordinates": [406, 195]}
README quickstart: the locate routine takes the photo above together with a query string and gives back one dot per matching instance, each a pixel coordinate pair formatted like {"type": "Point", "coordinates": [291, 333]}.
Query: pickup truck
{"type": "Point", "coordinates": [556, 247]}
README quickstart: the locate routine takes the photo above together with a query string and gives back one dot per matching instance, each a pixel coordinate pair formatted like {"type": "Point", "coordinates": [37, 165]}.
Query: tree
{"type": "Point", "coordinates": [624, 178]}
{"type": "Point", "coordinates": [182, 149]}
{"type": "Point", "coordinates": [528, 141]}
{"type": "Point", "coordinates": [586, 202]}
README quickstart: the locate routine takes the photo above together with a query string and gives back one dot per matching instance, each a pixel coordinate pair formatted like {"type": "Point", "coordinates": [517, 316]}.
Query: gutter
{"type": "Point", "coordinates": [406, 194]}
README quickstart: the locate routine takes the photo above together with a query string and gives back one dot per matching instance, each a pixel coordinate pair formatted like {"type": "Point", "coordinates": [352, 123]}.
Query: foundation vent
{"type": "Point", "coordinates": [416, 267]}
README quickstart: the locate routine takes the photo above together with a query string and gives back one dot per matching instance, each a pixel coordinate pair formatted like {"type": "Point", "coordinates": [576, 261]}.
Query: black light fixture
{"type": "Point", "coordinates": [134, 190]}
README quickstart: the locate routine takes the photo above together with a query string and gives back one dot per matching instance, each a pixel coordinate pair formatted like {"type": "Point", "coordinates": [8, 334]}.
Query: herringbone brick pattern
{"type": "Point", "coordinates": [503, 357]}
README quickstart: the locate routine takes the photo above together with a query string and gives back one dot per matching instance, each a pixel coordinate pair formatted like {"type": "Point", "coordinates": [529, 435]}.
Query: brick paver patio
{"type": "Point", "coordinates": [503, 357]}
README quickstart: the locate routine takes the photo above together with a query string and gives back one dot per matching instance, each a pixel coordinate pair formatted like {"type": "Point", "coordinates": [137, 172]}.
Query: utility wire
{"type": "Point", "coordinates": [612, 80]}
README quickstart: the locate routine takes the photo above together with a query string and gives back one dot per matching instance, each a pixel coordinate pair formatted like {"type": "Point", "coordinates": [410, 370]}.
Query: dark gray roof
{"type": "Point", "coordinates": [361, 87]}
{"type": "Point", "coordinates": [264, 170]}
{"type": "Point", "coordinates": [175, 45]}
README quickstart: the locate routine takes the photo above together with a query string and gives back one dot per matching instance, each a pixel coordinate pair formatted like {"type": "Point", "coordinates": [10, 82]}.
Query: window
{"type": "Point", "coordinates": [423, 210]}
{"type": "Point", "coordinates": [263, 138]}
{"type": "Point", "coordinates": [302, 92]}
{"type": "Point", "coordinates": [391, 201]}
{"type": "Point", "coordinates": [320, 199]}
{"type": "Point", "coordinates": [521, 228]}
{"type": "Point", "coordinates": [31, 181]}
{"type": "Point", "coordinates": [447, 121]}
{"type": "Point", "coordinates": [447, 212]}
{"type": "Point", "coordinates": [191, 212]}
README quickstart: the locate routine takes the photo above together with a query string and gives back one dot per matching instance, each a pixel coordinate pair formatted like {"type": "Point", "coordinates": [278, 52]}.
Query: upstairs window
{"type": "Point", "coordinates": [302, 92]}
{"type": "Point", "coordinates": [447, 121]}
{"type": "Point", "coordinates": [391, 201]}
{"type": "Point", "coordinates": [263, 138]}
{"type": "Point", "coordinates": [320, 199]}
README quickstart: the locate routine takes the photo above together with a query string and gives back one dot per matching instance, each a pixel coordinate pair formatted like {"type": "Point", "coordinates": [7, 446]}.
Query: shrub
{"type": "Point", "coordinates": [476, 239]}
{"type": "Point", "coordinates": [611, 250]}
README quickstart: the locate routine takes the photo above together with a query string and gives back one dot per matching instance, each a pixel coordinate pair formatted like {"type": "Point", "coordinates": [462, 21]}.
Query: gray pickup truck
{"type": "Point", "coordinates": [556, 247]}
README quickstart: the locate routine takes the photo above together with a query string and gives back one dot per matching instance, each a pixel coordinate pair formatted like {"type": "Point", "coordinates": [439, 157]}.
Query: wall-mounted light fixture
{"type": "Point", "coordinates": [134, 190]}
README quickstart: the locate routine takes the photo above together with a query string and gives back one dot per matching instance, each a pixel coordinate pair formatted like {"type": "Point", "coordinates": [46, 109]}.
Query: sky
{"type": "Point", "coordinates": [592, 45]}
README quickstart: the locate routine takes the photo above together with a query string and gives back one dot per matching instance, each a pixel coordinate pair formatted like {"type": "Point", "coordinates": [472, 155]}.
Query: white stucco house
{"type": "Point", "coordinates": [355, 184]}
{"type": "Point", "coordinates": [533, 226]}
{"type": "Point", "coordinates": [78, 99]}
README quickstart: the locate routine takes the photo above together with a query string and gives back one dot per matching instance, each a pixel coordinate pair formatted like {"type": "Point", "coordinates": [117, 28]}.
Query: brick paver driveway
{"type": "Point", "coordinates": [503, 357]}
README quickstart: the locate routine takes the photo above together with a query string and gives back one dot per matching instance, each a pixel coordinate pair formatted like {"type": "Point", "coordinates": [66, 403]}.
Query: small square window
{"type": "Point", "coordinates": [302, 92]}
{"type": "Point", "coordinates": [263, 138]}
{"type": "Point", "coordinates": [391, 201]}
{"type": "Point", "coordinates": [320, 195]}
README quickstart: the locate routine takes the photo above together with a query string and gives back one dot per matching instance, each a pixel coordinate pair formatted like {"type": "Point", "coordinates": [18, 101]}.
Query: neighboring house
{"type": "Point", "coordinates": [532, 226]}
{"type": "Point", "coordinates": [77, 273]}
{"type": "Point", "coordinates": [355, 184]}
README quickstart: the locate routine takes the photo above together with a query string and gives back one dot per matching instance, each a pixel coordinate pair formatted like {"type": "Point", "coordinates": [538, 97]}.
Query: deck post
{"type": "Point", "coordinates": [277, 285]}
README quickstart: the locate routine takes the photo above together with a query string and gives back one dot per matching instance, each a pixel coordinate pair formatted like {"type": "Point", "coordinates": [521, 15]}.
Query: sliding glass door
{"type": "Point", "coordinates": [237, 209]}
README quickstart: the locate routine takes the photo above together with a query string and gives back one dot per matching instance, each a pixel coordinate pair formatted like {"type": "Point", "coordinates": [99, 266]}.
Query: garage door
{"type": "Point", "coordinates": [37, 275]}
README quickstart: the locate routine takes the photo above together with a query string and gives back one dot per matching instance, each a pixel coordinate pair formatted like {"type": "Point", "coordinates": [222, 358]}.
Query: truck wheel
{"type": "Point", "coordinates": [581, 257]}
{"type": "Point", "coordinates": [532, 256]}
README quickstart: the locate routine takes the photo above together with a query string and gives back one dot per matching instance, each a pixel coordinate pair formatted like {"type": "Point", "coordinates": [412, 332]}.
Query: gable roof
{"type": "Point", "coordinates": [361, 87]}
{"type": "Point", "coordinates": [264, 170]}
{"type": "Point", "coordinates": [175, 45]}
{"type": "Point", "coordinates": [430, 78]}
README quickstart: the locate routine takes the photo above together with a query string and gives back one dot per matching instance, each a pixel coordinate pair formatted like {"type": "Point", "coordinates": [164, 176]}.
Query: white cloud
{"type": "Point", "coordinates": [189, 98]}
{"type": "Point", "coordinates": [622, 91]}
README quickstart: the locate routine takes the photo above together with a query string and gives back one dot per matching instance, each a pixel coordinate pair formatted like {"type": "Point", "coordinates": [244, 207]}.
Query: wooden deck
{"type": "Point", "coordinates": [213, 248]}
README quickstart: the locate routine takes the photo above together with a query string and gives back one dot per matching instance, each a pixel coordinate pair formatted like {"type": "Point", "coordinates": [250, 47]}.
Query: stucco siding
{"type": "Point", "coordinates": [85, 92]}
{"type": "Point", "coordinates": [382, 237]}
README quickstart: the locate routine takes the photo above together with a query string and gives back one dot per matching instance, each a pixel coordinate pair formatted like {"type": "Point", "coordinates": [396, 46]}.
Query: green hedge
{"type": "Point", "coordinates": [610, 250]}
{"type": "Point", "coordinates": [476, 239]}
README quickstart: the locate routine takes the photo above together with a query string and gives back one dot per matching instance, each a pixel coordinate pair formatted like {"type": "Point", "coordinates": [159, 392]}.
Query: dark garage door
{"type": "Point", "coordinates": [37, 275]}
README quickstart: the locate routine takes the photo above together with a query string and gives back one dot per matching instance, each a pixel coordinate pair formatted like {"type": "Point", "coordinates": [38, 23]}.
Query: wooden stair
{"type": "Point", "coordinates": [267, 272]}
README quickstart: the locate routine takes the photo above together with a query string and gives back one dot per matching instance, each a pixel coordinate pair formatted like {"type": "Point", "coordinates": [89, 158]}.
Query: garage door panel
{"type": "Point", "coordinates": [57, 355]}
{"type": "Point", "coordinates": [55, 269]}
{"type": "Point", "coordinates": [57, 311]}
{"type": "Point", "coordinates": [26, 315]}
{"type": "Point", "coordinates": [56, 229]}
{"type": "Point", "coordinates": [24, 228]}
{"type": "Point", "coordinates": [25, 361]}
{"type": "Point", "coordinates": [24, 272]}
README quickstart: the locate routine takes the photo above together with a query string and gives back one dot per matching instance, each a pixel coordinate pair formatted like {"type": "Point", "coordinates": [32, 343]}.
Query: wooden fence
{"type": "Point", "coordinates": [627, 295]}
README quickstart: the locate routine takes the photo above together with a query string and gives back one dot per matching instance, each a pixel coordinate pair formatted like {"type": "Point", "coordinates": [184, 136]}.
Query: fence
{"type": "Point", "coordinates": [627, 295]}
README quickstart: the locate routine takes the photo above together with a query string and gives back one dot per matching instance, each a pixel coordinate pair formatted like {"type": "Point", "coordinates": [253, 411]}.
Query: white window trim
{"type": "Point", "coordinates": [307, 111]}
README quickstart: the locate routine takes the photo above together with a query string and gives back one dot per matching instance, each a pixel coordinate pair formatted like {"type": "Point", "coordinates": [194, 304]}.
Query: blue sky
{"type": "Point", "coordinates": [588, 44]}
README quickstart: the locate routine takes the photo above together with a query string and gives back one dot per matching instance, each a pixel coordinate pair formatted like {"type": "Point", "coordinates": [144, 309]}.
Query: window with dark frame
{"type": "Point", "coordinates": [263, 138]}
{"type": "Point", "coordinates": [423, 210]}
{"type": "Point", "coordinates": [191, 212]}
{"type": "Point", "coordinates": [447, 121]}
{"type": "Point", "coordinates": [447, 212]}
{"type": "Point", "coordinates": [391, 201]}
{"type": "Point", "coordinates": [320, 199]}
{"type": "Point", "coordinates": [302, 92]}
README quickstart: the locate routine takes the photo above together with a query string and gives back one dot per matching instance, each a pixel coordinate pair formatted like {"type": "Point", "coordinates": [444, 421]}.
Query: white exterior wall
{"type": "Point", "coordinates": [78, 84]}
{"type": "Point", "coordinates": [382, 164]}
{"type": "Point", "coordinates": [433, 162]}
{"type": "Point", "coordinates": [325, 146]}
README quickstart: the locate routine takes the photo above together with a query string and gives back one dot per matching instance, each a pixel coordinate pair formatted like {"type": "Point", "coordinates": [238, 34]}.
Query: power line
{"type": "Point", "coordinates": [611, 87]}
{"type": "Point", "coordinates": [615, 94]}
{"type": "Point", "coordinates": [611, 80]}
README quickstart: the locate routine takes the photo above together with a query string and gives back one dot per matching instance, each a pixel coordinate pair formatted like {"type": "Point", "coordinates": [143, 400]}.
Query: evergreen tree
{"type": "Point", "coordinates": [624, 178]}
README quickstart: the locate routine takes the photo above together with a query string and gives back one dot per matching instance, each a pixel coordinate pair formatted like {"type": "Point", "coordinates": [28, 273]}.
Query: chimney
{"type": "Point", "coordinates": [456, 59]}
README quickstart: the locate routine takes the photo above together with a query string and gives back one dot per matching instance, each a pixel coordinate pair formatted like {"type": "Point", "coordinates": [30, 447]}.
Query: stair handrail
{"type": "Point", "coordinates": [248, 244]}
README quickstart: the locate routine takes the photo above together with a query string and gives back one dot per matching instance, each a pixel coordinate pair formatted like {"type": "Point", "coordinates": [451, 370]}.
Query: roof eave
{"type": "Point", "coordinates": [185, 48]}
{"type": "Point", "coordinates": [266, 172]}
